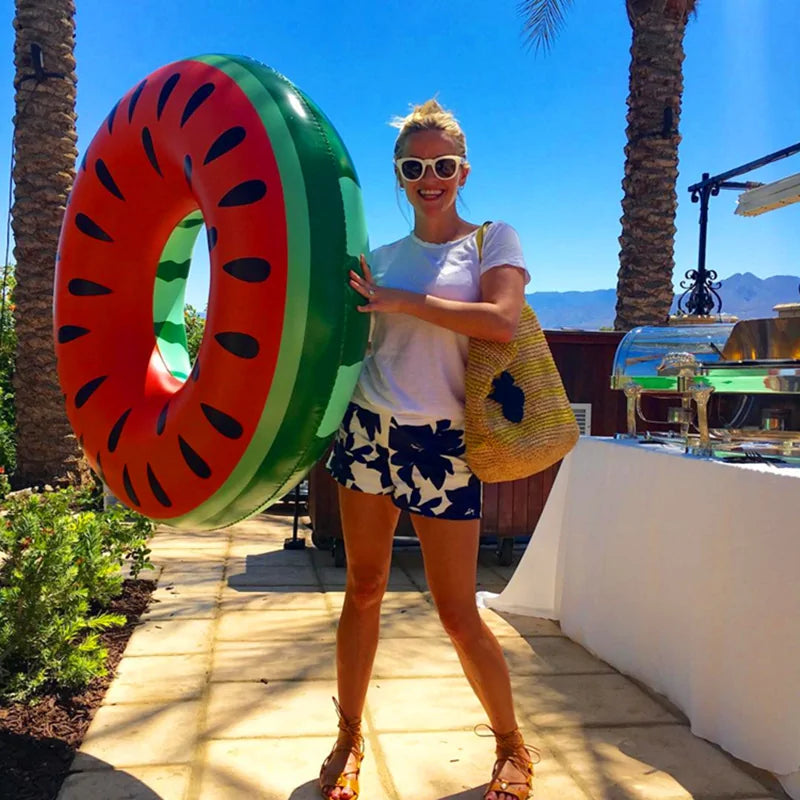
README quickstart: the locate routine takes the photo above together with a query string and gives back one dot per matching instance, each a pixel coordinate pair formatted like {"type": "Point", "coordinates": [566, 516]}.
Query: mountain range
{"type": "Point", "coordinates": [744, 295]}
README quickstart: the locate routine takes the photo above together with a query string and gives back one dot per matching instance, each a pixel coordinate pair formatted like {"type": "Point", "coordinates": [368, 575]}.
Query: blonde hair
{"type": "Point", "coordinates": [429, 116]}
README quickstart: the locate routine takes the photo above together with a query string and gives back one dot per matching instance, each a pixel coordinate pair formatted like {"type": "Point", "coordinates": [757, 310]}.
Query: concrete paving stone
{"type": "Point", "coordinates": [423, 704]}
{"type": "Point", "coordinates": [246, 769]}
{"type": "Point", "coordinates": [171, 637]}
{"type": "Point", "coordinates": [285, 598]}
{"type": "Point", "coordinates": [412, 600]}
{"type": "Point", "coordinates": [272, 553]}
{"type": "Point", "coordinates": [428, 657]}
{"type": "Point", "coordinates": [559, 701]}
{"type": "Point", "coordinates": [202, 566]}
{"type": "Point", "coordinates": [275, 709]}
{"type": "Point", "coordinates": [171, 604]}
{"type": "Point", "coordinates": [196, 581]}
{"type": "Point", "coordinates": [549, 654]}
{"type": "Point", "coordinates": [403, 623]}
{"type": "Point", "coordinates": [457, 765]}
{"type": "Point", "coordinates": [334, 578]}
{"type": "Point", "coordinates": [250, 661]}
{"type": "Point", "coordinates": [149, 679]}
{"type": "Point", "coordinates": [502, 624]}
{"type": "Point", "coordinates": [133, 783]}
{"type": "Point", "coordinates": [253, 571]}
{"type": "Point", "coordinates": [189, 541]}
{"type": "Point", "coordinates": [489, 583]}
{"type": "Point", "coordinates": [147, 734]}
{"type": "Point", "coordinates": [416, 575]}
{"type": "Point", "coordinates": [663, 762]}
{"type": "Point", "coordinates": [276, 625]}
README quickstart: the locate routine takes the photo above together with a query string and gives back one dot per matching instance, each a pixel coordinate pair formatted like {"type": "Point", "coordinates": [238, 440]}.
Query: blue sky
{"type": "Point", "coordinates": [545, 132]}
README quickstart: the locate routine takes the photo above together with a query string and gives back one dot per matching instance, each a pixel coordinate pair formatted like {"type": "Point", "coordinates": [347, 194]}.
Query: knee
{"type": "Point", "coordinates": [462, 625]}
{"type": "Point", "coordinates": [365, 591]}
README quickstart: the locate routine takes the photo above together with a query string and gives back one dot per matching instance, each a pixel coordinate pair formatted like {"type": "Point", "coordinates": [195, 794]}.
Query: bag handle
{"type": "Point", "coordinates": [481, 232]}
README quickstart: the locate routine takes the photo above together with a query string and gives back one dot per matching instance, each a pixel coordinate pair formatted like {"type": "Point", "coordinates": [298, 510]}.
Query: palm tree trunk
{"type": "Point", "coordinates": [644, 288]}
{"type": "Point", "coordinates": [44, 169]}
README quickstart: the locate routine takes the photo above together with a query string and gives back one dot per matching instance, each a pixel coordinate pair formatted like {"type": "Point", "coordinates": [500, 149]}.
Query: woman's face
{"type": "Point", "coordinates": [432, 195]}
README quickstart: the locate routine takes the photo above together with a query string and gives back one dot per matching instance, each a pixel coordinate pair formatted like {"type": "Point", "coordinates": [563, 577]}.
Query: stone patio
{"type": "Point", "coordinates": [225, 690]}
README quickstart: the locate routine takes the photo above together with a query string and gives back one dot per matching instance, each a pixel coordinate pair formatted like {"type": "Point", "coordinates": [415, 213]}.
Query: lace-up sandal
{"type": "Point", "coordinates": [351, 742]}
{"type": "Point", "coordinates": [509, 747]}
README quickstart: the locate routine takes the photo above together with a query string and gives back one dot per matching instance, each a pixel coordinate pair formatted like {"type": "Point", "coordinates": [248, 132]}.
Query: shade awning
{"type": "Point", "coordinates": [769, 196]}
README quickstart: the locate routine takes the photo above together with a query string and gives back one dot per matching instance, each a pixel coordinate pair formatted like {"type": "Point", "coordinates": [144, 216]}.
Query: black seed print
{"type": "Point", "coordinates": [250, 270]}
{"type": "Point", "coordinates": [80, 287]}
{"type": "Point", "coordinates": [166, 91]}
{"type": "Point", "coordinates": [196, 370]}
{"type": "Point", "coordinates": [88, 226]}
{"type": "Point", "coordinates": [150, 152]}
{"type": "Point", "coordinates": [211, 235]}
{"type": "Point", "coordinates": [225, 142]}
{"type": "Point", "coordinates": [162, 420]}
{"type": "Point", "coordinates": [87, 390]}
{"type": "Point", "coordinates": [111, 115]}
{"type": "Point", "coordinates": [126, 481]}
{"type": "Point", "coordinates": [222, 422]}
{"type": "Point", "coordinates": [187, 170]}
{"type": "Point", "coordinates": [135, 99]}
{"type": "Point", "coordinates": [193, 461]}
{"type": "Point", "coordinates": [240, 344]}
{"type": "Point", "coordinates": [116, 431]}
{"type": "Point", "coordinates": [68, 333]}
{"type": "Point", "coordinates": [157, 489]}
{"type": "Point", "coordinates": [244, 194]}
{"type": "Point", "coordinates": [196, 100]}
{"type": "Point", "coordinates": [105, 178]}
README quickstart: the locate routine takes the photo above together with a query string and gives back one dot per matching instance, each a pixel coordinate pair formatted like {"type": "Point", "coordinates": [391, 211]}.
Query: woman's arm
{"type": "Point", "coordinates": [494, 316]}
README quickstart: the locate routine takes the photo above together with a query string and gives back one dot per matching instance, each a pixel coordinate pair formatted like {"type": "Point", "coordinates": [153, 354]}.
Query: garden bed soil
{"type": "Point", "coordinates": [37, 742]}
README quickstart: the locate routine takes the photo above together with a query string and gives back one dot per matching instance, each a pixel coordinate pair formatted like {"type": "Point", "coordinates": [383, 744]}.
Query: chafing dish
{"type": "Point", "coordinates": [756, 360]}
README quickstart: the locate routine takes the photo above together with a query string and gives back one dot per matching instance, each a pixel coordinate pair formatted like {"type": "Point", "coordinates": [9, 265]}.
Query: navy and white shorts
{"type": "Point", "coordinates": [421, 467]}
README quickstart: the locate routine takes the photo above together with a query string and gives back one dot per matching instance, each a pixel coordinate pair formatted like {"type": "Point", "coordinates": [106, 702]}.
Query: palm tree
{"type": "Point", "coordinates": [44, 169]}
{"type": "Point", "coordinates": [644, 287]}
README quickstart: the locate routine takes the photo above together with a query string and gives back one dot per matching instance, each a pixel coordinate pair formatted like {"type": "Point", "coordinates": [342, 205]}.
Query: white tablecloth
{"type": "Point", "coordinates": [685, 574]}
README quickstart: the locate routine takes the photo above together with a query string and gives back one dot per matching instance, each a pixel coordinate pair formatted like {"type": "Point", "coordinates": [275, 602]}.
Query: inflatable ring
{"type": "Point", "coordinates": [225, 141]}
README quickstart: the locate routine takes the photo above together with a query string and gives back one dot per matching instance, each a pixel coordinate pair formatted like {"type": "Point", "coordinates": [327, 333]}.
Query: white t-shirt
{"type": "Point", "coordinates": [415, 370]}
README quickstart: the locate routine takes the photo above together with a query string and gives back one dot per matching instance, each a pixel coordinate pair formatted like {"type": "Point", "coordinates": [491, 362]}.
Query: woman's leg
{"type": "Point", "coordinates": [368, 523]}
{"type": "Point", "coordinates": [450, 551]}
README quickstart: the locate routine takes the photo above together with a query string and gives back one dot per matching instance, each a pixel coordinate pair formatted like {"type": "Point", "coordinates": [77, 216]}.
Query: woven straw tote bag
{"type": "Point", "coordinates": [518, 420]}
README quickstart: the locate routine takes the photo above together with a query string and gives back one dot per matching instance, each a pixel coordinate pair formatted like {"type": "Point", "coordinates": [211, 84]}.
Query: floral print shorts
{"type": "Point", "coordinates": [422, 467]}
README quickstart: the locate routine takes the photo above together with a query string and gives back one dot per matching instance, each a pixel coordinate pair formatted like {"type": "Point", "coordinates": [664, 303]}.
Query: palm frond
{"type": "Point", "coordinates": [543, 19]}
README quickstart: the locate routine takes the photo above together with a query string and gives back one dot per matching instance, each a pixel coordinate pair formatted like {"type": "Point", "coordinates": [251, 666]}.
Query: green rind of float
{"type": "Point", "coordinates": [169, 292]}
{"type": "Point", "coordinates": [249, 467]}
{"type": "Point", "coordinates": [324, 346]}
{"type": "Point", "coordinates": [332, 344]}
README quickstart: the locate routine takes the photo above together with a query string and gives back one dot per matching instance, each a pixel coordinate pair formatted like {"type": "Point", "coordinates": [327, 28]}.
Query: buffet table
{"type": "Point", "coordinates": [685, 574]}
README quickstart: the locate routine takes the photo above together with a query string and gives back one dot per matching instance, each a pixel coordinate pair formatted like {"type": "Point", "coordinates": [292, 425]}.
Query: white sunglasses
{"type": "Point", "coordinates": [444, 167]}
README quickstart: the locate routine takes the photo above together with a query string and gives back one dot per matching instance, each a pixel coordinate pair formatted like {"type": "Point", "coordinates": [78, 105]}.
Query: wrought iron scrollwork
{"type": "Point", "coordinates": [701, 296]}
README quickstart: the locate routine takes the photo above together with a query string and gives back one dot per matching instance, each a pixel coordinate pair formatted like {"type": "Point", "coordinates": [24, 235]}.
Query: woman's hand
{"type": "Point", "coordinates": [378, 298]}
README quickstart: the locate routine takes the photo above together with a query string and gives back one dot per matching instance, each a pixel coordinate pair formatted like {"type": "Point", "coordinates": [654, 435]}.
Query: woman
{"type": "Point", "coordinates": [401, 442]}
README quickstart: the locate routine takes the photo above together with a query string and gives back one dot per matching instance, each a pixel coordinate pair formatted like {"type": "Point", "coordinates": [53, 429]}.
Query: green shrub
{"type": "Point", "coordinates": [62, 566]}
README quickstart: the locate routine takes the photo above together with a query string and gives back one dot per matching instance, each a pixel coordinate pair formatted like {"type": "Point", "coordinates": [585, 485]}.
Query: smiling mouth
{"type": "Point", "coordinates": [430, 194]}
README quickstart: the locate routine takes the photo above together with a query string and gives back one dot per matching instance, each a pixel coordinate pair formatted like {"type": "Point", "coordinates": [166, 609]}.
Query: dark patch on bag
{"type": "Point", "coordinates": [509, 395]}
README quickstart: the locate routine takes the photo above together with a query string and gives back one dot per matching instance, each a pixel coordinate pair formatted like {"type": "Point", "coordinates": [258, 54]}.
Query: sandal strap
{"type": "Point", "coordinates": [508, 745]}
{"type": "Point", "coordinates": [351, 741]}
{"type": "Point", "coordinates": [350, 727]}
{"type": "Point", "coordinates": [508, 748]}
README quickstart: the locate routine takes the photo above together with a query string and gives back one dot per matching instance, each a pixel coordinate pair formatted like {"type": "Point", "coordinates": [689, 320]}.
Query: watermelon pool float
{"type": "Point", "coordinates": [225, 142]}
